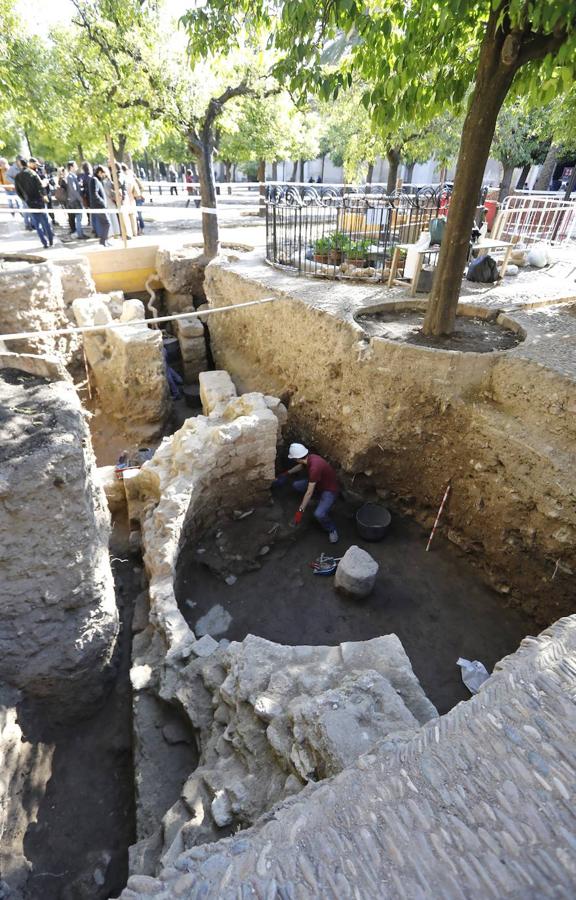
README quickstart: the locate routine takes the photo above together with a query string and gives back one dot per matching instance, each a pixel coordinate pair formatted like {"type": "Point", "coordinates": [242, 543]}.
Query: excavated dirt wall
{"type": "Point", "coordinates": [59, 616]}
{"type": "Point", "coordinates": [406, 419]}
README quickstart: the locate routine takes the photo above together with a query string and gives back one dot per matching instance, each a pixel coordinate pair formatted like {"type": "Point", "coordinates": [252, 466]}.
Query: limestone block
{"type": "Point", "coordinates": [33, 300]}
{"type": "Point", "coordinates": [190, 328]}
{"type": "Point", "coordinates": [127, 365]}
{"type": "Point", "coordinates": [272, 717]}
{"type": "Point", "coordinates": [216, 389]}
{"type": "Point", "coordinates": [190, 333]}
{"type": "Point", "coordinates": [205, 646]}
{"type": "Point", "coordinates": [181, 271]}
{"type": "Point", "coordinates": [356, 573]}
{"type": "Point", "coordinates": [132, 310]}
{"type": "Point", "coordinates": [175, 303]}
{"type": "Point", "coordinates": [76, 278]}
{"type": "Point", "coordinates": [59, 616]}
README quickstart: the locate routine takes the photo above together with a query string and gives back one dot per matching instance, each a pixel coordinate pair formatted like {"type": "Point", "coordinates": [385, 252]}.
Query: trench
{"type": "Point", "coordinates": [253, 576]}
{"type": "Point", "coordinates": [78, 847]}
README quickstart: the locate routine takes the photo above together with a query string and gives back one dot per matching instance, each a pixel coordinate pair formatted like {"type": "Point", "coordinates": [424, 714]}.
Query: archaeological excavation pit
{"type": "Point", "coordinates": [189, 707]}
{"type": "Point", "coordinates": [253, 575]}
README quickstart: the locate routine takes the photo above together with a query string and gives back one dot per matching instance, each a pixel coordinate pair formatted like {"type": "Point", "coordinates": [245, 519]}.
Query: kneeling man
{"type": "Point", "coordinates": [321, 476]}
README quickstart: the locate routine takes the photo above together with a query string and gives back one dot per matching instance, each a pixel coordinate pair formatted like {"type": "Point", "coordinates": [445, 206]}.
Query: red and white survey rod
{"type": "Point", "coordinates": [442, 505]}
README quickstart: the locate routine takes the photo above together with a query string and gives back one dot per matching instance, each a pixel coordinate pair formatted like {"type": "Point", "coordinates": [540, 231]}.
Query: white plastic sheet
{"type": "Point", "coordinates": [474, 674]}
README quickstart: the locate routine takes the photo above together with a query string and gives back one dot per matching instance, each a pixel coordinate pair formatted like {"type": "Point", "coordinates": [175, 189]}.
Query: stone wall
{"type": "Point", "coordinates": [404, 419]}
{"type": "Point", "coordinates": [215, 463]}
{"type": "Point", "coordinates": [59, 617]}
{"type": "Point", "coordinates": [127, 365]}
{"type": "Point", "coordinates": [36, 295]}
{"type": "Point", "coordinates": [477, 804]}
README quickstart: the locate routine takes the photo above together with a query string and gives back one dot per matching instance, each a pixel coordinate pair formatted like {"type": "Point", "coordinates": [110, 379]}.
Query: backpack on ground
{"type": "Point", "coordinates": [484, 269]}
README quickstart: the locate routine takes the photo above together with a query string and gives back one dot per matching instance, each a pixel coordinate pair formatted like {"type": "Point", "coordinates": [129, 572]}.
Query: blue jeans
{"type": "Point", "coordinates": [78, 224]}
{"type": "Point", "coordinates": [325, 504]}
{"type": "Point", "coordinates": [41, 223]}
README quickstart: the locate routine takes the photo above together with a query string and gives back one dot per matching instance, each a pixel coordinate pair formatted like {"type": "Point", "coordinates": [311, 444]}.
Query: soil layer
{"type": "Point", "coordinates": [433, 601]}
{"type": "Point", "coordinates": [471, 334]}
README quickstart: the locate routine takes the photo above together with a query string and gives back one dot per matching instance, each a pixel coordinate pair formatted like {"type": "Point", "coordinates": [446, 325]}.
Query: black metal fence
{"type": "Point", "coordinates": [346, 232]}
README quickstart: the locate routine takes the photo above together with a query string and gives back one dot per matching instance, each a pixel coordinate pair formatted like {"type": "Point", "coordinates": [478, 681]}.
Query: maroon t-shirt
{"type": "Point", "coordinates": [321, 473]}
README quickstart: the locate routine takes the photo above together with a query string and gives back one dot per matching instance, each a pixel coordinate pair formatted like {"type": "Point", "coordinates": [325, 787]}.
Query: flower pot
{"type": "Point", "coordinates": [321, 258]}
{"type": "Point", "coordinates": [335, 257]}
{"type": "Point", "coordinates": [357, 263]}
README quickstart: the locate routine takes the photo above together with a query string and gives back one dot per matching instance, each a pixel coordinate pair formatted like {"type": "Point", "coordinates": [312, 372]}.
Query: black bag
{"type": "Point", "coordinates": [484, 269]}
{"type": "Point", "coordinates": [61, 192]}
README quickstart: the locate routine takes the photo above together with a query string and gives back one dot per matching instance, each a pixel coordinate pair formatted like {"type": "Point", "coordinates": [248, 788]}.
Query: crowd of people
{"type": "Point", "coordinates": [35, 189]}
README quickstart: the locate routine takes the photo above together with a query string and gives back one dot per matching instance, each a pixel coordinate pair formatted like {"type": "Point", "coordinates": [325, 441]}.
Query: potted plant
{"type": "Point", "coordinates": [322, 249]}
{"type": "Point", "coordinates": [357, 252]}
{"type": "Point", "coordinates": [338, 245]}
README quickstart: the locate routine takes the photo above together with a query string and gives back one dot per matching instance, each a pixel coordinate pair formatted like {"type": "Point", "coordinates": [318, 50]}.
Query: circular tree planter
{"type": "Point", "coordinates": [477, 329]}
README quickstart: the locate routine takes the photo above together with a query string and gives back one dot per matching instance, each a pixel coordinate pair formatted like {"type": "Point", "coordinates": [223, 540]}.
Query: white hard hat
{"type": "Point", "coordinates": [297, 451]}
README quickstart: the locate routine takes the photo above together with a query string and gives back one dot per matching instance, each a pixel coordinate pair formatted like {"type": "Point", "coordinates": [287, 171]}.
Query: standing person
{"type": "Point", "coordinates": [111, 203]}
{"type": "Point", "coordinates": [97, 200]}
{"type": "Point", "coordinates": [172, 178]}
{"type": "Point", "coordinates": [74, 197]}
{"type": "Point", "coordinates": [132, 191]}
{"type": "Point", "coordinates": [47, 184]}
{"type": "Point", "coordinates": [32, 192]}
{"type": "Point", "coordinates": [11, 174]}
{"type": "Point", "coordinates": [6, 185]}
{"type": "Point", "coordinates": [84, 188]}
{"type": "Point", "coordinates": [322, 478]}
{"type": "Point", "coordinates": [139, 200]}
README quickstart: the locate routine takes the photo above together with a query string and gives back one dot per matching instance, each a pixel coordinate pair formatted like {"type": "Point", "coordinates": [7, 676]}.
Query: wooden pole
{"type": "Point", "coordinates": [112, 163]}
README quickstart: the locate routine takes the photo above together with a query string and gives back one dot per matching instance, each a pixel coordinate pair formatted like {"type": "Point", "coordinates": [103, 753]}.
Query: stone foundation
{"type": "Point", "coordinates": [127, 365]}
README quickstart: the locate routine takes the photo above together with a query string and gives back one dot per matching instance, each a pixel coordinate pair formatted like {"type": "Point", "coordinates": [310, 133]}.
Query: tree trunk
{"type": "Point", "coordinates": [234, 172]}
{"type": "Point", "coordinates": [275, 170]}
{"type": "Point", "coordinates": [410, 172]}
{"type": "Point", "coordinates": [506, 181]}
{"type": "Point", "coordinates": [261, 177]}
{"type": "Point", "coordinates": [370, 173]}
{"type": "Point", "coordinates": [302, 164]}
{"type": "Point", "coordinates": [28, 143]}
{"type": "Point", "coordinates": [493, 80]}
{"type": "Point", "coordinates": [227, 171]}
{"type": "Point", "coordinates": [294, 175]}
{"type": "Point", "coordinates": [322, 168]}
{"type": "Point", "coordinates": [393, 157]}
{"type": "Point", "coordinates": [210, 231]}
{"type": "Point", "coordinates": [119, 148]}
{"type": "Point", "coordinates": [80, 152]}
{"type": "Point", "coordinates": [523, 176]}
{"type": "Point", "coordinates": [546, 172]}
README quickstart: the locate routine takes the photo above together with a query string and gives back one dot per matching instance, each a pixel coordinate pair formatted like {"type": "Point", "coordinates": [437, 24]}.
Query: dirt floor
{"type": "Point", "coordinates": [79, 845]}
{"type": "Point", "coordinates": [471, 335]}
{"type": "Point", "coordinates": [253, 576]}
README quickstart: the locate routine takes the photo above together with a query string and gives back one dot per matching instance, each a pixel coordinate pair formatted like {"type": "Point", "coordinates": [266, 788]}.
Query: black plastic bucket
{"type": "Point", "coordinates": [373, 521]}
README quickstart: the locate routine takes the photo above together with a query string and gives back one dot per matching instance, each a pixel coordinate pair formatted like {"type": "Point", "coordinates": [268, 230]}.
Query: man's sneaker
{"type": "Point", "coordinates": [333, 536]}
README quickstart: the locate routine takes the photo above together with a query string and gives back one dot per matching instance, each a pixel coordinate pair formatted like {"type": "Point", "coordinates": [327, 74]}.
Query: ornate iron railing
{"type": "Point", "coordinates": [346, 231]}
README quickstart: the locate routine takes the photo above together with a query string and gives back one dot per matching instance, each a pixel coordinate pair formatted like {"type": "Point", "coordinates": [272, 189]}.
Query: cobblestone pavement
{"type": "Point", "coordinates": [478, 805]}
